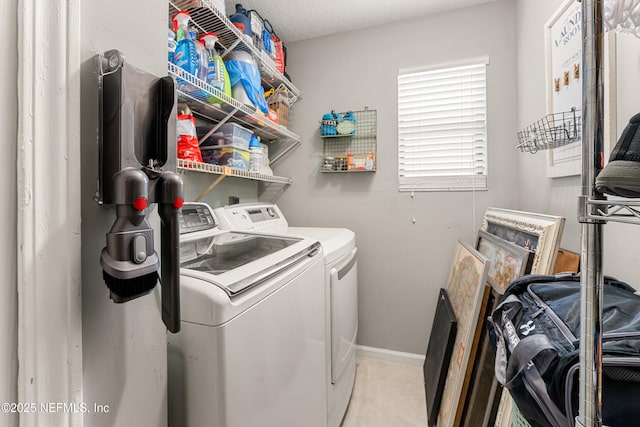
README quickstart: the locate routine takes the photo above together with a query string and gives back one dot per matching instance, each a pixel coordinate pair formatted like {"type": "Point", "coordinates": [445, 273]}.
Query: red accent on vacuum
{"type": "Point", "coordinates": [140, 204]}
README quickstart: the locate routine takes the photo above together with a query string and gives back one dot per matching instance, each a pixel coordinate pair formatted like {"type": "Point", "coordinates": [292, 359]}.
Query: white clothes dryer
{"type": "Point", "coordinates": [251, 350]}
{"type": "Point", "coordinates": [341, 281]}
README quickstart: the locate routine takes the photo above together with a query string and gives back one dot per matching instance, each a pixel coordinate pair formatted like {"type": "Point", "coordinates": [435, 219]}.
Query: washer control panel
{"type": "Point", "coordinates": [252, 217]}
{"type": "Point", "coordinates": [196, 217]}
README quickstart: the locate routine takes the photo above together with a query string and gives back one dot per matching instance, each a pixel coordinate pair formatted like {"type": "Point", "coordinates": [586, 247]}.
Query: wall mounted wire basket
{"type": "Point", "coordinates": [552, 131]}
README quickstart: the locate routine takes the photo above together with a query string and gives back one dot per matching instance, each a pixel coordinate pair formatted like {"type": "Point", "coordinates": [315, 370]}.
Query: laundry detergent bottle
{"type": "Point", "coordinates": [186, 54]}
{"type": "Point", "coordinates": [241, 20]}
{"type": "Point", "coordinates": [217, 75]}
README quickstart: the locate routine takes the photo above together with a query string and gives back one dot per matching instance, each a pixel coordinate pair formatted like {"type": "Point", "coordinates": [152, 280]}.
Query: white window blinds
{"type": "Point", "coordinates": [442, 136]}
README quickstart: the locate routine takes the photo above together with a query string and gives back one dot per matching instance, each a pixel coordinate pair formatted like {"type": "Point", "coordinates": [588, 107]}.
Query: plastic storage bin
{"type": "Point", "coordinates": [236, 135]}
{"type": "Point", "coordinates": [226, 155]}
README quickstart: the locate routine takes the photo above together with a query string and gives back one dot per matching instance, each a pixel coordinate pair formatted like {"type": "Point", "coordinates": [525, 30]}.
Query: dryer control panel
{"type": "Point", "coordinates": [262, 217]}
{"type": "Point", "coordinates": [196, 217]}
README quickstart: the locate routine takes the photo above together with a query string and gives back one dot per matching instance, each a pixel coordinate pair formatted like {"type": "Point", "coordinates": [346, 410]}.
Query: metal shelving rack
{"type": "Point", "coordinates": [592, 280]}
{"type": "Point", "coordinates": [360, 143]}
{"type": "Point", "coordinates": [198, 95]}
{"type": "Point", "coordinates": [593, 209]}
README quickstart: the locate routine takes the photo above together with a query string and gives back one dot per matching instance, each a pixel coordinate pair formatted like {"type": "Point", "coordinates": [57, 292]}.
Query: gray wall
{"type": "Point", "coordinates": [401, 265]}
{"type": "Point", "coordinates": [195, 183]}
{"type": "Point", "coordinates": [620, 258]}
{"type": "Point", "coordinates": [559, 196]}
{"type": "Point", "coordinates": [124, 345]}
{"type": "Point", "coordinates": [536, 192]}
{"type": "Point", "coordinates": [8, 185]}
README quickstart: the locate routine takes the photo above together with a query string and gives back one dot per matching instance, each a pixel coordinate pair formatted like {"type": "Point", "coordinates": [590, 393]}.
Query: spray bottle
{"type": "Point", "coordinates": [203, 56]}
{"type": "Point", "coordinates": [186, 54]}
{"type": "Point", "coordinates": [217, 75]}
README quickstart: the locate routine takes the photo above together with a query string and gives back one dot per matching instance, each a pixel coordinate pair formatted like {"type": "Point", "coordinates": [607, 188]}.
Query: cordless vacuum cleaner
{"type": "Point", "coordinates": [138, 169]}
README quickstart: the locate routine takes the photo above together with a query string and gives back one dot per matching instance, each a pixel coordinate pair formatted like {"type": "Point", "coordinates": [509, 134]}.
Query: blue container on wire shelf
{"type": "Point", "coordinates": [347, 126]}
{"type": "Point", "coordinates": [329, 123]}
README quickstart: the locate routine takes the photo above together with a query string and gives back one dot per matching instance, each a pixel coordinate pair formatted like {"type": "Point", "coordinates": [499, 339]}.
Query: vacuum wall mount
{"type": "Point", "coordinates": [138, 169]}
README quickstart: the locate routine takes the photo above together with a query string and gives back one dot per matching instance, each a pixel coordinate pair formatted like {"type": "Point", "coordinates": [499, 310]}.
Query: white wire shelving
{"type": "Point", "coordinates": [207, 19]}
{"type": "Point", "coordinates": [216, 107]}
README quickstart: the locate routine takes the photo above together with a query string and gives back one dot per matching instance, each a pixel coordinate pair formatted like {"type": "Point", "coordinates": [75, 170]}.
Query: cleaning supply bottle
{"type": "Point", "coordinates": [171, 44]}
{"type": "Point", "coordinates": [255, 154]}
{"type": "Point", "coordinates": [217, 74]}
{"type": "Point", "coordinates": [186, 55]}
{"type": "Point", "coordinates": [215, 64]}
{"type": "Point", "coordinates": [241, 21]}
{"type": "Point", "coordinates": [203, 57]}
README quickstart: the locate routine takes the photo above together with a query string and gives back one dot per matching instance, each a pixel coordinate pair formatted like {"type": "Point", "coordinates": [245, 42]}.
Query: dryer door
{"type": "Point", "coordinates": [344, 312]}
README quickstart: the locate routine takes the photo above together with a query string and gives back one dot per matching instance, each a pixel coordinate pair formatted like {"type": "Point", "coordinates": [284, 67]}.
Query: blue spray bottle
{"type": "Point", "coordinates": [186, 55]}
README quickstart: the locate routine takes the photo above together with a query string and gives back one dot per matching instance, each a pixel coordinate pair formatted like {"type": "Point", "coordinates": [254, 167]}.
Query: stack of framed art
{"type": "Point", "coordinates": [538, 233]}
{"type": "Point", "coordinates": [467, 293]}
{"type": "Point", "coordinates": [509, 244]}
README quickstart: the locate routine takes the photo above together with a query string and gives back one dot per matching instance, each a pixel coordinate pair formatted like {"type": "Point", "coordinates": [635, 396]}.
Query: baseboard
{"type": "Point", "coordinates": [390, 355]}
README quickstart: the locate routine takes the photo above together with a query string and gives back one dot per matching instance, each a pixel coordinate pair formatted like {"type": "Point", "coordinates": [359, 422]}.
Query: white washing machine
{"type": "Point", "coordinates": [251, 350]}
{"type": "Point", "coordinates": [341, 281]}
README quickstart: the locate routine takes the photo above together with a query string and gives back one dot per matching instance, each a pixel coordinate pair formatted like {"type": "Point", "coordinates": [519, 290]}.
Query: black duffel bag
{"type": "Point", "coordinates": [535, 331]}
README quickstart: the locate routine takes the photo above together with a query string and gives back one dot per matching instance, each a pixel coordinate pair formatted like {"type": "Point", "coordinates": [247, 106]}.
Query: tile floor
{"type": "Point", "coordinates": [386, 394]}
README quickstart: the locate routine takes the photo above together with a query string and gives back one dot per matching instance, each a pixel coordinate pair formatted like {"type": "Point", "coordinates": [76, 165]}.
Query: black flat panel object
{"type": "Point", "coordinates": [439, 350]}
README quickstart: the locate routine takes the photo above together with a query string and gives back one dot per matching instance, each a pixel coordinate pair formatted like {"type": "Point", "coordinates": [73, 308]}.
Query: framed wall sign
{"type": "Point", "coordinates": [563, 43]}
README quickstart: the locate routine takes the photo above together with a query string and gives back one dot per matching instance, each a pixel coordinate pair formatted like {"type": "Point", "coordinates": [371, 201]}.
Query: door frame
{"type": "Point", "coordinates": [48, 211]}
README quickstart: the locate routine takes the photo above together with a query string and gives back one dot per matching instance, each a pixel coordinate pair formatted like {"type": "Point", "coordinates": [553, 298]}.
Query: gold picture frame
{"type": "Point", "coordinates": [466, 288]}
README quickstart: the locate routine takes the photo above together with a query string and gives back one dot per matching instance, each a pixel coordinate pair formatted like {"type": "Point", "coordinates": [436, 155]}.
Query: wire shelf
{"type": "Point", "coordinates": [552, 131]}
{"type": "Point", "coordinates": [191, 166]}
{"type": "Point", "coordinates": [619, 210]}
{"type": "Point", "coordinates": [208, 19]}
{"type": "Point", "coordinates": [199, 95]}
{"type": "Point", "coordinates": [361, 144]}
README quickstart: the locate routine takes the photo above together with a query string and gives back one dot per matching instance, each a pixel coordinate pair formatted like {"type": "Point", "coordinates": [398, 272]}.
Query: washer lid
{"type": "Point", "coordinates": [336, 242]}
{"type": "Point", "coordinates": [237, 261]}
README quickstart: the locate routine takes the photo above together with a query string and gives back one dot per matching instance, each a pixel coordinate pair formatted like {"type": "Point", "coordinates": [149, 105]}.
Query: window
{"type": "Point", "coordinates": [442, 132]}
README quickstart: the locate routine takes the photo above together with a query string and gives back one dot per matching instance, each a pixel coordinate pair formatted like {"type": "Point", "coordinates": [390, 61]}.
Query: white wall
{"type": "Point", "coordinates": [559, 196]}
{"type": "Point", "coordinates": [8, 292]}
{"type": "Point", "coordinates": [124, 345]}
{"type": "Point", "coordinates": [401, 265]}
